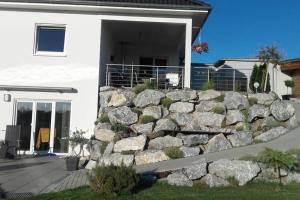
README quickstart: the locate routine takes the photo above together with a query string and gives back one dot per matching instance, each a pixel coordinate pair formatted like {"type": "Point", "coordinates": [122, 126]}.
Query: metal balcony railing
{"type": "Point", "coordinates": [122, 75]}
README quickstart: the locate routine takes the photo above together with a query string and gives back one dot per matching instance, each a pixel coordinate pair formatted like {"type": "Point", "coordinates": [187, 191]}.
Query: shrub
{"type": "Point", "coordinates": [208, 85]}
{"type": "Point", "coordinates": [138, 111]}
{"type": "Point", "coordinates": [166, 102]}
{"type": "Point", "coordinates": [276, 159]}
{"type": "Point", "coordinates": [139, 88]}
{"type": "Point", "coordinates": [113, 180]}
{"type": "Point", "coordinates": [119, 128]}
{"type": "Point", "coordinates": [102, 119]}
{"type": "Point", "coordinates": [220, 98]}
{"type": "Point", "coordinates": [148, 84]}
{"type": "Point", "coordinates": [144, 119]}
{"type": "Point", "coordinates": [252, 101]}
{"type": "Point", "coordinates": [240, 127]}
{"type": "Point", "coordinates": [218, 109]}
{"type": "Point", "coordinates": [173, 152]}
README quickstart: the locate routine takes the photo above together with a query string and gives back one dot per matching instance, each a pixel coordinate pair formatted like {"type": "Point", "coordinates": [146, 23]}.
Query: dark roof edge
{"type": "Point", "coordinates": [290, 60]}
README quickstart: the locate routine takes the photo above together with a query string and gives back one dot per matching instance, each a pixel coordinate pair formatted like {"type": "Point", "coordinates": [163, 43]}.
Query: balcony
{"type": "Point", "coordinates": [122, 75]}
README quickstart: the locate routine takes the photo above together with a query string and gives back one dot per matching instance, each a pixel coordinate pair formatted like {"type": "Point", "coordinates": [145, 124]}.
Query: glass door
{"type": "Point", "coordinates": [42, 127]}
{"type": "Point", "coordinates": [24, 119]}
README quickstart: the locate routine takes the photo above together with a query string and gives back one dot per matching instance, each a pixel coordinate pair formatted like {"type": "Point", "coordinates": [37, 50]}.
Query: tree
{"type": "Point", "coordinates": [276, 159]}
{"type": "Point", "coordinates": [269, 55]}
{"type": "Point", "coordinates": [257, 75]}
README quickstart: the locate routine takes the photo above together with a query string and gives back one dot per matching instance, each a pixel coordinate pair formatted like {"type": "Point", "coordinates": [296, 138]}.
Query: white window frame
{"type": "Point", "coordinates": [49, 53]}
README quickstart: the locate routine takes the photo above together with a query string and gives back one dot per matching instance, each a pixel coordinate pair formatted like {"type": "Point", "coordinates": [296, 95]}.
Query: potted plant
{"type": "Point", "coordinates": [288, 84]}
{"type": "Point", "coordinates": [3, 149]}
{"type": "Point", "coordinates": [77, 139]}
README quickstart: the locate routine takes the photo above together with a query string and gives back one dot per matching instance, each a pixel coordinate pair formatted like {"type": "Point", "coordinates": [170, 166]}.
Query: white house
{"type": "Point", "coordinates": [230, 73]}
{"type": "Point", "coordinates": [56, 54]}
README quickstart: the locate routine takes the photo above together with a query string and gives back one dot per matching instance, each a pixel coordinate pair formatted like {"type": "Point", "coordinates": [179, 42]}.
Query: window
{"type": "Point", "coordinates": [50, 39]}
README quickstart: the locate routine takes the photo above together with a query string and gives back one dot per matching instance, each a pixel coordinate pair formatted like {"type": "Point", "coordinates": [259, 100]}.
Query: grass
{"type": "Point", "coordinates": [166, 102]}
{"type": "Point", "coordinates": [102, 119]}
{"type": "Point", "coordinates": [218, 110]}
{"type": "Point", "coordinates": [145, 119]}
{"type": "Point", "coordinates": [173, 152]}
{"type": "Point", "coordinates": [162, 191]}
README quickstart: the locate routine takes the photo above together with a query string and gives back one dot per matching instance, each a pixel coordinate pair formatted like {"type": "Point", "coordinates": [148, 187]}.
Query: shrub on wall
{"type": "Point", "coordinates": [113, 180]}
{"type": "Point", "coordinates": [208, 85]}
{"type": "Point", "coordinates": [102, 119]}
{"type": "Point", "coordinates": [166, 102]}
{"type": "Point", "coordinates": [144, 119]}
{"type": "Point", "coordinates": [148, 84]}
{"type": "Point", "coordinates": [173, 152]}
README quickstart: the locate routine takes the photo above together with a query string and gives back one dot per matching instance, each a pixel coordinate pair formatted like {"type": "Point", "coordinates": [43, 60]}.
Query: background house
{"type": "Point", "coordinates": [56, 54]}
{"type": "Point", "coordinates": [292, 68]}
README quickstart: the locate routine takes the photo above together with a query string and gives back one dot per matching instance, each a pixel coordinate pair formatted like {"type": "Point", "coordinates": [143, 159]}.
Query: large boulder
{"type": "Point", "coordinates": [217, 143]}
{"type": "Point", "coordinates": [104, 135]}
{"type": "Point", "coordinates": [164, 142]}
{"type": "Point", "coordinates": [207, 106]}
{"type": "Point", "coordinates": [122, 115]}
{"type": "Point", "coordinates": [242, 171]}
{"type": "Point", "coordinates": [91, 164]}
{"type": "Point", "coordinates": [291, 178]}
{"type": "Point", "coordinates": [150, 156]}
{"type": "Point", "coordinates": [292, 123]}
{"type": "Point", "coordinates": [131, 144]}
{"type": "Point", "coordinates": [105, 98]}
{"type": "Point", "coordinates": [148, 97]}
{"type": "Point", "coordinates": [233, 117]}
{"type": "Point", "coordinates": [194, 140]}
{"type": "Point", "coordinates": [95, 149]}
{"type": "Point", "coordinates": [189, 151]}
{"type": "Point", "coordinates": [209, 119]}
{"type": "Point", "coordinates": [235, 100]}
{"type": "Point", "coordinates": [116, 159]}
{"type": "Point", "coordinates": [258, 111]}
{"type": "Point", "coordinates": [214, 181]}
{"type": "Point", "coordinates": [182, 107]}
{"type": "Point", "coordinates": [102, 126]}
{"type": "Point", "coordinates": [154, 111]}
{"type": "Point", "coordinates": [282, 110]}
{"type": "Point", "coordinates": [182, 118]}
{"type": "Point", "coordinates": [241, 138]}
{"type": "Point", "coordinates": [182, 95]}
{"type": "Point", "coordinates": [208, 95]}
{"type": "Point", "coordinates": [179, 179]}
{"type": "Point", "coordinates": [121, 98]}
{"type": "Point", "coordinates": [109, 149]}
{"type": "Point", "coordinates": [144, 129]}
{"type": "Point", "coordinates": [106, 88]}
{"type": "Point", "coordinates": [196, 170]}
{"type": "Point", "coordinates": [165, 124]}
{"type": "Point", "coordinates": [272, 134]}
{"type": "Point", "coordinates": [264, 98]}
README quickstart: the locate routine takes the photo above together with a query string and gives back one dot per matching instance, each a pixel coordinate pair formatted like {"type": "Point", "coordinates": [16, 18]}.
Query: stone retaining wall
{"type": "Point", "coordinates": [130, 128]}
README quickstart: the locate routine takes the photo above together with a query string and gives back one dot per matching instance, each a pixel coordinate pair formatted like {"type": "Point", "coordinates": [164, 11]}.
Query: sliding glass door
{"type": "Point", "coordinates": [45, 126]}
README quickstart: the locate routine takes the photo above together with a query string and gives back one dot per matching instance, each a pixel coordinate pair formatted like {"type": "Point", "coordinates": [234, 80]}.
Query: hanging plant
{"type": "Point", "coordinates": [201, 47]}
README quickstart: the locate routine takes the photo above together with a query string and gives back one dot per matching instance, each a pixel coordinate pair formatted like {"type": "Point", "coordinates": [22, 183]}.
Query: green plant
{"type": "Point", "coordinates": [208, 85]}
{"type": "Point", "coordinates": [173, 152]}
{"type": "Point", "coordinates": [289, 84]}
{"type": "Point", "coordinates": [240, 127]}
{"type": "Point", "coordinates": [252, 100]}
{"type": "Point", "coordinates": [76, 139]}
{"type": "Point", "coordinates": [139, 88]}
{"type": "Point", "coordinates": [166, 102]}
{"type": "Point", "coordinates": [259, 74]}
{"type": "Point", "coordinates": [248, 158]}
{"type": "Point", "coordinates": [113, 180]}
{"type": "Point", "coordinates": [129, 152]}
{"type": "Point", "coordinates": [119, 128]}
{"type": "Point", "coordinates": [276, 159]}
{"type": "Point", "coordinates": [148, 84]}
{"type": "Point", "coordinates": [138, 111]}
{"type": "Point", "coordinates": [232, 181]}
{"type": "Point", "coordinates": [219, 109]}
{"type": "Point", "coordinates": [102, 119]}
{"type": "Point", "coordinates": [272, 123]}
{"type": "Point", "coordinates": [238, 86]}
{"type": "Point", "coordinates": [220, 98]}
{"type": "Point", "coordinates": [103, 147]}
{"type": "Point", "coordinates": [144, 119]}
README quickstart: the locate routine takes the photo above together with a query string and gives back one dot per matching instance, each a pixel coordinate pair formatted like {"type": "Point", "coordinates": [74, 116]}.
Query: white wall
{"type": "Point", "coordinates": [79, 68]}
{"type": "Point", "coordinates": [279, 77]}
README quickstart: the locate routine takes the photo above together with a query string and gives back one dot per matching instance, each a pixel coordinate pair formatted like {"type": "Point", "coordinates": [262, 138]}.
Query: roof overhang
{"type": "Point", "coordinates": [288, 66]}
{"type": "Point", "coordinates": [15, 88]}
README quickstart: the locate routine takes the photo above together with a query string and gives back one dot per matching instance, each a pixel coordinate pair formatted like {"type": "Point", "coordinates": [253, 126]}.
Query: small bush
{"type": "Point", "coordinates": [138, 111]}
{"type": "Point", "coordinates": [113, 180]}
{"type": "Point", "coordinates": [146, 85]}
{"type": "Point", "coordinates": [218, 110]}
{"type": "Point", "coordinates": [139, 88]}
{"type": "Point", "coordinates": [220, 98]}
{"type": "Point", "coordinates": [102, 119]}
{"type": "Point", "coordinates": [166, 102]}
{"type": "Point", "coordinates": [208, 85]}
{"type": "Point", "coordinates": [246, 114]}
{"type": "Point", "coordinates": [240, 127]}
{"type": "Point", "coordinates": [150, 84]}
{"type": "Point", "coordinates": [173, 152]}
{"type": "Point", "coordinates": [144, 119]}
{"type": "Point", "coordinates": [252, 101]}
{"type": "Point", "coordinates": [119, 128]}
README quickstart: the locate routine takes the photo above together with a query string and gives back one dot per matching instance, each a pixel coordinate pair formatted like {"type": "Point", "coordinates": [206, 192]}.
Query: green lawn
{"type": "Point", "coordinates": [160, 191]}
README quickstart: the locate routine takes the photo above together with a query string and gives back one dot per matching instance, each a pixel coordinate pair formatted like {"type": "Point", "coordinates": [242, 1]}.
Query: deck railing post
{"type": "Point", "coordinates": [131, 83]}
{"type": "Point", "coordinates": [106, 75]}
{"type": "Point", "coordinates": [233, 84]}
{"type": "Point", "coordinates": [157, 77]}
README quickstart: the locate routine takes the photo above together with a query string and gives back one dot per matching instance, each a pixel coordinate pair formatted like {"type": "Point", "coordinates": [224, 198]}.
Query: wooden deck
{"type": "Point", "coordinates": [32, 176]}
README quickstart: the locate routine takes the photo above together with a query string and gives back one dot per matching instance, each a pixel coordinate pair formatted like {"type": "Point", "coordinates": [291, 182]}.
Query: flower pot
{"type": "Point", "coordinates": [72, 163]}
{"type": "Point", "coordinates": [286, 97]}
{"type": "Point", "coordinates": [3, 150]}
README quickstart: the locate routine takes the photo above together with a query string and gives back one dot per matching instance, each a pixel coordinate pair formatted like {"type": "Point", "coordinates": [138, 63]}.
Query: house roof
{"type": "Point", "coordinates": [290, 65]}
{"type": "Point", "coordinates": [166, 4]}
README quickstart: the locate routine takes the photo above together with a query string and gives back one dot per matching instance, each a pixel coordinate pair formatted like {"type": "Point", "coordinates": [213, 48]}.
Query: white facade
{"type": "Point", "coordinates": [87, 48]}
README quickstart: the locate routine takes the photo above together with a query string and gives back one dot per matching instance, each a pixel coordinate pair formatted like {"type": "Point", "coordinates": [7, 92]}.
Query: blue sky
{"type": "Point", "coordinates": [238, 28]}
